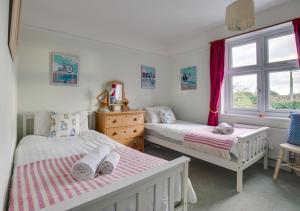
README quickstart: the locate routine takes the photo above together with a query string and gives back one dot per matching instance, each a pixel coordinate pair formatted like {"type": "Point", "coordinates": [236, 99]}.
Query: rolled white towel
{"type": "Point", "coordinates": [86, 167]}
{"type": "Point", "coordinates": [217, 130]}
{"type": "Point", "coordinates": [225, 128]}
{"type": "Point", "coordinates": [109, 163]}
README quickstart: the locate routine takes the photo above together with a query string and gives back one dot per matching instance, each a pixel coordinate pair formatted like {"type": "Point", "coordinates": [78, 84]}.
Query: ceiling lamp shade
{"type": "Point", "coordinates": [240, 15]}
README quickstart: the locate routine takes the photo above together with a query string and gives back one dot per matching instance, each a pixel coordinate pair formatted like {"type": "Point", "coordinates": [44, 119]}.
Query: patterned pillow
{"type": "Point", "coordinates": [64, 124]}
{"type": "Point", "coordinates": [167, 116]}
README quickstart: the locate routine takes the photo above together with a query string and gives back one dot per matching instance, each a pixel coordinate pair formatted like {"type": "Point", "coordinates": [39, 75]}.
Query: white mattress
{"type": "Point", "coordinates": [180, 128]}
{"type": "Point", "coordinates": [35, 148]}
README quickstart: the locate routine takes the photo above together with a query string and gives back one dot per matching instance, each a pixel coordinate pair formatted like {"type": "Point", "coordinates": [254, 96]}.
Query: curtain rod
{"type": "Point", "coordinates": [265, 27]}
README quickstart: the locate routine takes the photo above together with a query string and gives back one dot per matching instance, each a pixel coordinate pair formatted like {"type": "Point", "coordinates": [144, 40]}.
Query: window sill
{"type": "Point", "coordinates": [277, 122]}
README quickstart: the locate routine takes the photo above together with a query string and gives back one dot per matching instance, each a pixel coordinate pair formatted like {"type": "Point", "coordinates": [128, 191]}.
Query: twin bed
{"type": "Point", "coordinates": [236, 152]}
{"type": "Point", "coordinates": [42, 177]}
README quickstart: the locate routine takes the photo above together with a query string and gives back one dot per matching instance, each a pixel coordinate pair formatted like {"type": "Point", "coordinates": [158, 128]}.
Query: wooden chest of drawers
{"type": "Point", "coordinates": [125, 127]}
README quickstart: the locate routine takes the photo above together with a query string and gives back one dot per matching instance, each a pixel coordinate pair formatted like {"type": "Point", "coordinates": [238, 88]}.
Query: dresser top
{"type": "Point", "coordinates": [122, 112]}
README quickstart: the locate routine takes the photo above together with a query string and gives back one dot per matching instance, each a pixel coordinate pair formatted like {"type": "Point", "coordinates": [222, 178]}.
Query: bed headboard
{"type": "Point", "coordinates": [28, 122]}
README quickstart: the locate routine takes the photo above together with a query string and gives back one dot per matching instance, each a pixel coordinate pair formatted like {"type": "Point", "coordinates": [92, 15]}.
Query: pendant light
{"type": "Point", "coordinates": [240, 15]}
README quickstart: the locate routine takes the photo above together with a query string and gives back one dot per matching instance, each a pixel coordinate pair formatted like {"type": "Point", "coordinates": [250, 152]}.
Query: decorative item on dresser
{"type": "Point", "coordinates": [113, 98]}
{"type": "Point", "coordinates": [126, 127]}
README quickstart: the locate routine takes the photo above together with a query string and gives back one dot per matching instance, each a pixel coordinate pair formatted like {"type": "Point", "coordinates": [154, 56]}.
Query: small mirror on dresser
{"type": "Point", "coordinates": [113, 98]}
{"type": "Point", "coordinates": [116, 92]}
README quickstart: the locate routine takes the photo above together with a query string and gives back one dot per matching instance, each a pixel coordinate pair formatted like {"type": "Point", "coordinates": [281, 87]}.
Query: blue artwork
{"type": "Point", "coordinates": [65, 69]}
{"type": "Point", "coordinates": [148, 77]}
{"type": "Point", "coordinates": [188, 78]}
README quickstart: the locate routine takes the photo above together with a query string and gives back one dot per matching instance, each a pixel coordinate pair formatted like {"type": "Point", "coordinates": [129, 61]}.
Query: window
{"type": "Point", "coordinates": [244, 55]}
{"type": "Point", "coordinates": [282, 48]}
{"type": "Point", "coordinates": [262, 74]}
{"type": "Point", "coordinates": [244, 88]}
{"type": "Point", "coordinates": [284, 91]}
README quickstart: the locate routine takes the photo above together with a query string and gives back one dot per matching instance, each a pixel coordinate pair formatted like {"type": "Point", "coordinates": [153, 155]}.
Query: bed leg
{"type": "Point", "coordinates": [266, 161]}
{"type": "Point", "coordinates": [266, 157]}
{"type": "Point", "coordinates": [239, 172]}
{"type": "Point", "coordinates": [239, 181]}
{"type": "Point", "coordinates": [184, 185]}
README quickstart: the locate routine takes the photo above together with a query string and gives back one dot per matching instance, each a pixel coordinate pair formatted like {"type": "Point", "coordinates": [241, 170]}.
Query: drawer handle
{"type": "Point", "coordinates": [135, 142]}
{"type": "Point", "coordinates": [135, 130]}
{"type": "Point", "coordinates": [135, 119]}
{"type": "Point", "coordinates": [115, 133]}
{"type": "Point", "coordinates": [125, 131]}
{"type": "Point", "coordinates": [114, 121]}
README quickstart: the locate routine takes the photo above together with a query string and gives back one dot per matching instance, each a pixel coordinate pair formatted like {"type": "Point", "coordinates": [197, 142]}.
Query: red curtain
{"type": "Point", "coordinates": [217, 59]}
{"type": "Point", "coordinates": [296, 23]}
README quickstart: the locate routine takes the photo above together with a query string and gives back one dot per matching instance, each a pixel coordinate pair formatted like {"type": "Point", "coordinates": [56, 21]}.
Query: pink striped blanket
{"type": "Point", "coordinates": [44, 183]}
{"type": "Point", "coordinates": [213, 144]}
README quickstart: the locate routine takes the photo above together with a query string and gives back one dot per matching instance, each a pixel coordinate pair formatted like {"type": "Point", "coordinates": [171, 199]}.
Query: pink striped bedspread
{"type": "Point", "coordinates": [43, 183]}
{"type": "Point", "coordinates": [210, 143]}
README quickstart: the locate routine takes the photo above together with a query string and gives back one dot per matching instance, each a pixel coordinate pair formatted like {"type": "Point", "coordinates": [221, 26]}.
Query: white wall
{"type": "Point", "coordinates": [99, 63]}
{"type": "Point", "coordinates": [194, 105]}
{"type": "Point", "coordinates": [8, 104]}
{"type": "Point", "coordinates": [191, 105]}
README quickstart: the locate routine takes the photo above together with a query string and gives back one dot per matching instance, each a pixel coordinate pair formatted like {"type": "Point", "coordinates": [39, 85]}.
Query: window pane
{"type": "Point", "coordinates": [285, 90]}
{"type": "Point", "coordinates": [282, 48]}
{"type": "Point", "coordinates": [244, 89]}
{"type": "Point", "coordinates": [244, 55]}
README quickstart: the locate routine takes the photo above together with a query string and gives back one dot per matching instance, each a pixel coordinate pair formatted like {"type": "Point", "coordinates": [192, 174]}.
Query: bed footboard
{"type": "Point", "coordinates": [251, 147]}
{"type": "Point", "coordinates": [137, 186]}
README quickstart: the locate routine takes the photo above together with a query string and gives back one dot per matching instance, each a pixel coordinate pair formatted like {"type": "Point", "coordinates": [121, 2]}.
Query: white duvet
{"type": "Point", "coordinates": [34, 148]}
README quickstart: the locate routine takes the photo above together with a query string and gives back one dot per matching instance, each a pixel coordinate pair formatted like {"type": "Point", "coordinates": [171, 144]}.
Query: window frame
{"type": "Point", "coordinates": [241, 43]}
{"type": "Point", "coordinates": [263, 68]}
{"type": "Point", "coordinates": [268, 108]}
{"type": "Point", "coordinates": [280, 33]}
{"type": "Point", "coordinates": [230, 101]}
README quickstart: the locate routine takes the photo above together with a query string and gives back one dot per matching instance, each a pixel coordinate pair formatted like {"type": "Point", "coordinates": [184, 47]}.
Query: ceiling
{"type": "Point", "coordinates": [154, 22]}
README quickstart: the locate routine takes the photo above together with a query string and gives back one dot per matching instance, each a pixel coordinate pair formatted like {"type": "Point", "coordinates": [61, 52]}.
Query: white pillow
{"type": "Point", "coordinates": [152, 113]}
{"type": "Point", "coordinates": [151, 116]}
{"type": "Point", "coordinates": [42, 123]}
{"type": "Point", "coordinates": [167, 116]}
{"type": "Point", "coordinates": [64, 124]}
{"type": "Point", "coordinates": [84, 121]}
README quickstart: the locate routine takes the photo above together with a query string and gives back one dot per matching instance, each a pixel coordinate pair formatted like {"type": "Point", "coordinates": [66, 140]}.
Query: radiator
{"type": "Point", "coordinates": [277, 137]}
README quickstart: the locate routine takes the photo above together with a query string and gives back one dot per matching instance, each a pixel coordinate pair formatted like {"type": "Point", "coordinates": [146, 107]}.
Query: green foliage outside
{"type": "Point", "coordinates": [284, 101]}
{"type": "Point", "coordinates": [286, 105]}
{"type": "Point", "coordinates": [246, 99]}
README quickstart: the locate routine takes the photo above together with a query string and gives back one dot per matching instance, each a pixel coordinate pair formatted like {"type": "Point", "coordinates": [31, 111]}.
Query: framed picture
{"type": "Point", "coordinates": [148, 77]}
{"type": "Point", "coordinates": [14, 25]}
{"type": "Point", "coordinates": [188, 77]}
{"type": "Point", "coordinates": [64, 69]}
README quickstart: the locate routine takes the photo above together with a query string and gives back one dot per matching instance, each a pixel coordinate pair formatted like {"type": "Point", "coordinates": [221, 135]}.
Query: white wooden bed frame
{"type": "Point", "coordinates": [112, 195]}
{"type": "Point", "coordinates": [255, 140]}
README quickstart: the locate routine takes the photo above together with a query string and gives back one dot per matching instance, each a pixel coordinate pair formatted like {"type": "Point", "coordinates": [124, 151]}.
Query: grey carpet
{"type": "Point", "coordinates": [215, 186]}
